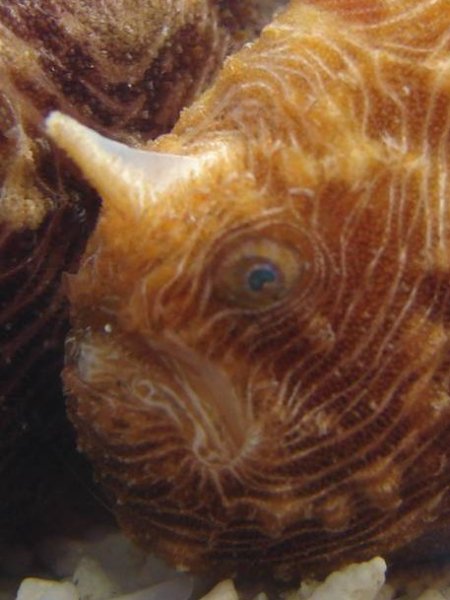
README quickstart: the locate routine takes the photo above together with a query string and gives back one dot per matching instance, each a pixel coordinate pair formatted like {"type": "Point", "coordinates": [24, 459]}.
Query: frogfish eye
{"type": "Point", "coordinates": [257, 273]}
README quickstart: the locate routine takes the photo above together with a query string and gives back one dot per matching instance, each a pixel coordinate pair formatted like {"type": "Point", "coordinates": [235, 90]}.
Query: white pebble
{"type": "Point", "coordinates": [43, 589]}
{"type": "Point", "coordinates": [92, 582]}
{"type": "Point", "coordinates": [387, 592]}
{"type": "Point", "coordinates": [225, 590]}
{"type": "Point", "coordinates": [360, 581]}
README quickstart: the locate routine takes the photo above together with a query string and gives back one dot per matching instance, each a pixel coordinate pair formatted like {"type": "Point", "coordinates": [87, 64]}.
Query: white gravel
{"type": "Point", "coordinates": [103, 565]}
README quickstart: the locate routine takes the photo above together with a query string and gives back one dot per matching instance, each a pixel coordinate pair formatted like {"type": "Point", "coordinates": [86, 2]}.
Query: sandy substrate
{"type": "Point", "coordinates": [103, 565]}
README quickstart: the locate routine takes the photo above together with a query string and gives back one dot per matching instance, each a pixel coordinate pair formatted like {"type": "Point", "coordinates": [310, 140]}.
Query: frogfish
{"type": "Point", "coordinates": [258, 366]}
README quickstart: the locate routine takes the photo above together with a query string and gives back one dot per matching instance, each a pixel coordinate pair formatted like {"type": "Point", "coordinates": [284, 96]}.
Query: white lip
{"type": "Point", "coordinates": [192, 392]}
{"type": "Point", "coordinates": [223, 424]}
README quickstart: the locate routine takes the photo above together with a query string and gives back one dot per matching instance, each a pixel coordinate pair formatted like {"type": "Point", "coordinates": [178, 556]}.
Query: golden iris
{"type": "Point", "coordinates": [258, 273]}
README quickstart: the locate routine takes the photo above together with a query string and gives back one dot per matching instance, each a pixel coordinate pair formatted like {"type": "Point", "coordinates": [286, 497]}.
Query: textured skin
{"type": "Point", "coordinates": [125, 67]}
{"type": "Point", "coordinates": [308, 426]}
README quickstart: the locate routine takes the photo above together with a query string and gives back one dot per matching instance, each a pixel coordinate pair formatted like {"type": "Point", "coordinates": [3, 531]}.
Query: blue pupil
{"type": "Point", "coordinates": [260, 276]}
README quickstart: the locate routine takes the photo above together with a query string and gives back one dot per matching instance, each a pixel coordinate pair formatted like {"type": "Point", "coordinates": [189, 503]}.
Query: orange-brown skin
{"type": "Point", "coordinates": [126, 68]}
{"type": "Point", "coordinates": [307, 424]}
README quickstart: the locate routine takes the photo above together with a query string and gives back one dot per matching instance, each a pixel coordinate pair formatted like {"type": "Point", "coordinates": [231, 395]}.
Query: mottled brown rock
{"type": "Point", "coordinates": [126, 68]}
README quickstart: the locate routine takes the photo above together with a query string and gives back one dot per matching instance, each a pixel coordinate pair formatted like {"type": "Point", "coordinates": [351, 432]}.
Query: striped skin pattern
{"type": "Point", "coordinates": [126, 68]}
{"type": "Point", "coordinates": [259, 360]}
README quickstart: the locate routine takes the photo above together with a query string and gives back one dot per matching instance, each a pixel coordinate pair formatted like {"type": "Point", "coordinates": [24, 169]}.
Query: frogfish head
{"type": "Point", "coordinates": [243, 368]}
